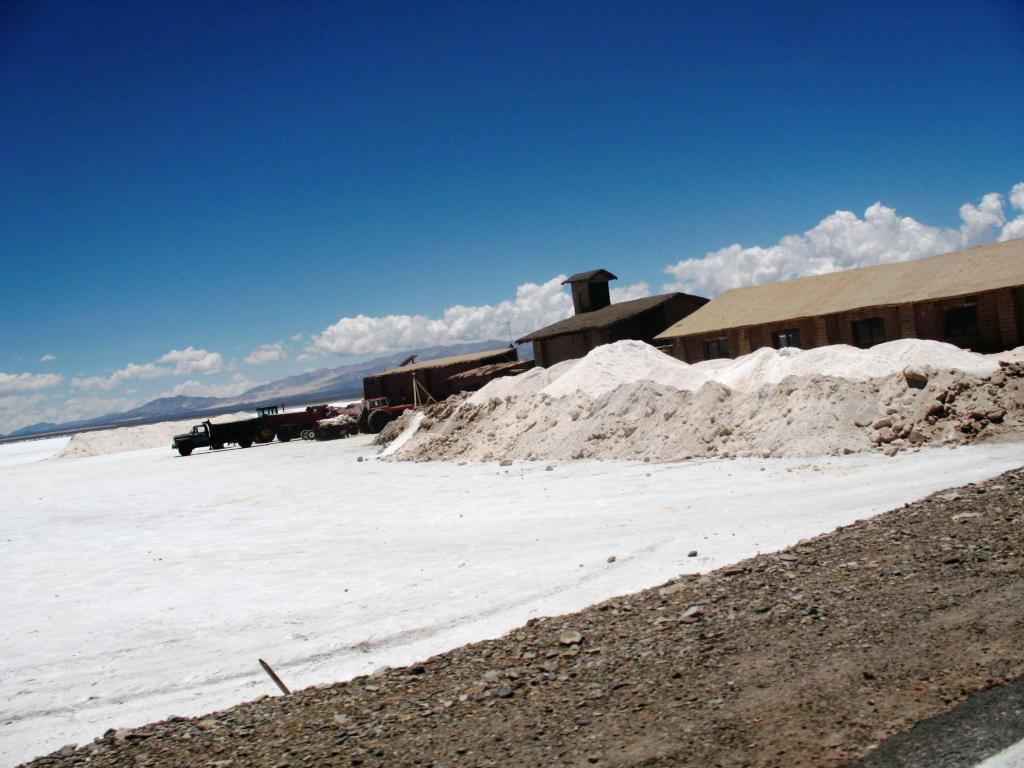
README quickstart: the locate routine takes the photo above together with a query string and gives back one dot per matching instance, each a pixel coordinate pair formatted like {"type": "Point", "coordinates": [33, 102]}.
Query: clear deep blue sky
{"type": "Point", "coordinates": [225, 174]}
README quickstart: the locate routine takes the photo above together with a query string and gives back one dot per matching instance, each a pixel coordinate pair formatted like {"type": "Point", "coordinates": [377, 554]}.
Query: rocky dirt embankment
{"type": "Point", "coordinates": [807, 657]}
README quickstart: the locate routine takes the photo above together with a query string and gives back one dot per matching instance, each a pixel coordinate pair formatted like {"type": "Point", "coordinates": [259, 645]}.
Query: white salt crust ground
{"type": "Point", "coordinates": [141, 585]}
{"type": "Point", "coordinates": [628, 400]}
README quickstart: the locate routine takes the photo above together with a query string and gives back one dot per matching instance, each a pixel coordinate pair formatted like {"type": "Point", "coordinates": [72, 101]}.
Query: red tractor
{"type": "Point", "coordinates": [376, 413]}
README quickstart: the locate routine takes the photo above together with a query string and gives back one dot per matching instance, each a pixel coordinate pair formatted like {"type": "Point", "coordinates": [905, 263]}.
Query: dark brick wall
{"type": "Point", "coordinates": [1000, 326]}
{"type": "Point", "coordinates": [547, 352]}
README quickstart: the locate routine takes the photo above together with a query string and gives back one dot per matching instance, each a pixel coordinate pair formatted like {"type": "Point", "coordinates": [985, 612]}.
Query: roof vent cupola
{"type": "Point", "coordinates": [590, 290]}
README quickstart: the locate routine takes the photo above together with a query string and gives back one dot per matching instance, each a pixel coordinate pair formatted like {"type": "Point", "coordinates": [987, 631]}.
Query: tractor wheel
{"type": "Point", "coordinates": [264, 436]}
{"type": "Point", "coordinates": [377, 421]}
{"type": "Point", "coordinates": [185, 450]}
{"type": "Point", "coordinates": [308, 434]}
{"type": "Point", "coordinates": [284, 435]}
{"type": "Point", "coordinates": [245, 442]}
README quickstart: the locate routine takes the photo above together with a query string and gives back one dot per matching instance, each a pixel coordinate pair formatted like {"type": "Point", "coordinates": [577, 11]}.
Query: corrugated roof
{"type": "Point", "coordinates": [594, 275]}
{"type": "Point", "coordinates": [443, 361]}
{"type": "Point", "coordinates": [493, 368]}
{"type": "Point", "coordinates": [599, 318]}
{"type": "Point", "coordinates": [975, 270]}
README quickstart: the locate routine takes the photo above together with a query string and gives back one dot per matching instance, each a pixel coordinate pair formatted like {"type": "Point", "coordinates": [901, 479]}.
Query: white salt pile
{"type": "Point", "coordinates": [936, 354]}
{"type": "Point", "coordinates": [611, 365]}
{"type": "Point", "coordinates": [628, 400]}
{"type": "Point", "coordinates": [533, 380]}
{"type": "Point", "coordinates": [138, 438]}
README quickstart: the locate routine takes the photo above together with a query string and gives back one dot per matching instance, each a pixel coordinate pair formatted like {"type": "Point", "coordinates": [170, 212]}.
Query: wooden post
{"type": "Point", "coordinates": [274, 677]}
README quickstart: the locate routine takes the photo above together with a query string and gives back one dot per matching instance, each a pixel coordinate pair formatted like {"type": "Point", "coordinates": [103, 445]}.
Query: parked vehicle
{"type": "Point", "coordinates": [377, 413]}
{"type": "Point", "coordinates": [216, 436]}
{"type": "Point", "coordinates": [317, 422]}
{"type": "Point", "coordinates": [286, 425]}
{"type": "Point", "coordinates": [333, 428]}
{"type": "Point", "coordinates": [270, 422]}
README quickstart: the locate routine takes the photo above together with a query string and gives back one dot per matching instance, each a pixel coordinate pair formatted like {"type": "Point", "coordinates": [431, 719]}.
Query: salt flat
{"type": "Point", "coordinates": [141, 585]}
{"type": "Point", "coordinates": [28, 451]}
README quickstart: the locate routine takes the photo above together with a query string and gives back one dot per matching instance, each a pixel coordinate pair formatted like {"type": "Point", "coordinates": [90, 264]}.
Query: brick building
{"type": "Point", "coordinates": [972, 298]}
{"type": "Point", "coordinates": [597, 321]}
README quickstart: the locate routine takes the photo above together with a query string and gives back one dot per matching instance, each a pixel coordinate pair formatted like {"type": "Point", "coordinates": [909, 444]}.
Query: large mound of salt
{"type": "Point", "coordinates": [935, 354]}
{"type": "Point", "coordinates": [628, 400]}
{"type": "Point", "coordinates": [611, 365]}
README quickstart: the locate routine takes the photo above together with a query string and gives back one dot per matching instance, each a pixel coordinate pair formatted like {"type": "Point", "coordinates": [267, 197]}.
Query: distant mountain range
{"type": "Point", "coordinates": [324, 384]}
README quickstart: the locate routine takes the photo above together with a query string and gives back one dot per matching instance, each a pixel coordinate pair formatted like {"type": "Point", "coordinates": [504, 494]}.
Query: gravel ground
{"type": "Point", "coordinates": [808, 657]}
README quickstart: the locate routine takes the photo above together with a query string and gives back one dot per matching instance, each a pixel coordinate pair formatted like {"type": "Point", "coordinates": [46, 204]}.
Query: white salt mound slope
{"type": "Point", "coordinates": [937, 354]}
{"type": "Point", "coordinates": [627, 400]}
{"type": "Point", "coordinates": [527, 383]}
{"type": "Point", "coordinates": [611, 365]}
{"type": "Point", "coordinates": [841, 361]}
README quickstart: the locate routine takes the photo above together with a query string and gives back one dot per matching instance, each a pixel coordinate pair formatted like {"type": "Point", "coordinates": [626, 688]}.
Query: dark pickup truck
{"type": "Point", "coordinates": [216, 436]}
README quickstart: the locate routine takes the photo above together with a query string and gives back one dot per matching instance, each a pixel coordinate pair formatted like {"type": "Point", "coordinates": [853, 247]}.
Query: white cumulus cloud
{"type": "Point", "coordinates": [12, 383]}
{"type": "Point", "coordinates": [844, 240]}
{"type": "Point", "coordinates": [630, 292]}
{"type": "Point", "coordinates": [188, 361]}
{"type": "Point", "coordinates": [979, 220]}
{"type": "Point", "coordinates": [266, 353]}
{"type": "Point", "coordinates": [177, 362]}
{"type": "Point", "coordinates": [193, 388]}
{"type": "Point", "coordinates": [1015, 228]}
{"type": "Point", "coordinates": [47, 358]}
{"type": "Point", "coordinates": [534, 306]}
{"type": "Point", "coordinates": [120, 376]}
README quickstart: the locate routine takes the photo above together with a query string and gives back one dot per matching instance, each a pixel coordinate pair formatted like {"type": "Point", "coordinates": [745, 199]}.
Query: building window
{"type": "Point", "coordinates": [787, 338]}
{"type": "Point", "coordinates": [961, 321]}
{"type": "Point", "coordinates": [715, 348]}
{"type": "Point", "coordinates": [868, 332]}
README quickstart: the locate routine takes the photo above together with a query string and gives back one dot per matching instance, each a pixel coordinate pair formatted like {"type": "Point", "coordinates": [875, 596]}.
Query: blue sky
{"type": "Point", "coordinates": [216, 177]}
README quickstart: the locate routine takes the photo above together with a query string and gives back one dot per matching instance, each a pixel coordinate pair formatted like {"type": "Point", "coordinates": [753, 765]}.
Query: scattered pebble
{"type": "Point", "coordinates": [570, 637]}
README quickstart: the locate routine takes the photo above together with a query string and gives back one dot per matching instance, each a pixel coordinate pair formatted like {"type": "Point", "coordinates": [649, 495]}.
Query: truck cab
{"type": "Point", "coordinates": [197, 437]}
